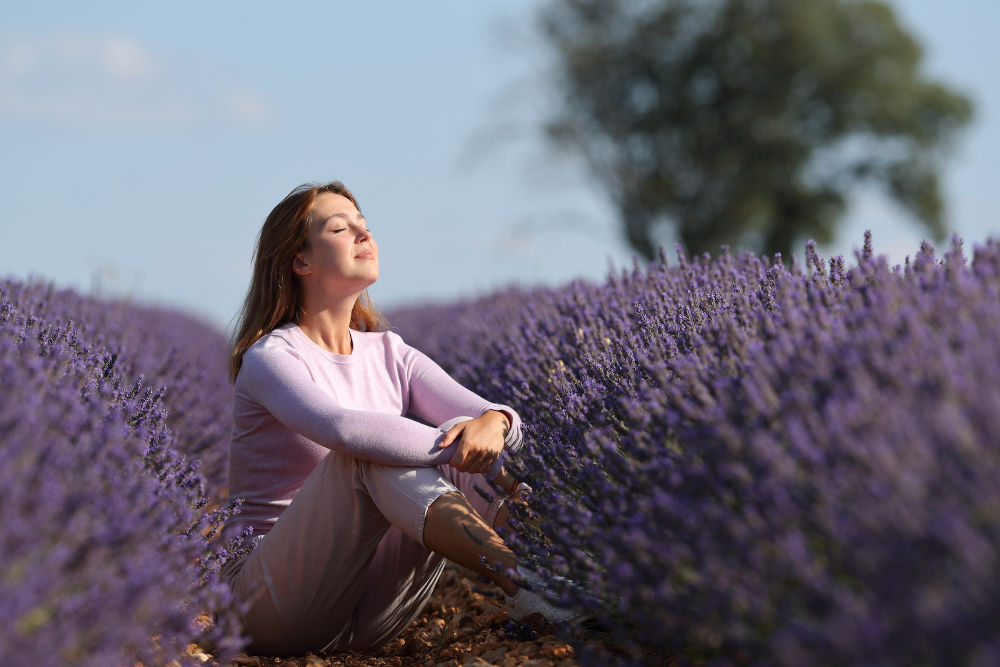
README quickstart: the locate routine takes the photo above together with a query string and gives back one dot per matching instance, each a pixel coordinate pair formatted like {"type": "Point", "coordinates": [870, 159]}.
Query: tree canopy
{"type": "Point", "coordinates": [748, 122]}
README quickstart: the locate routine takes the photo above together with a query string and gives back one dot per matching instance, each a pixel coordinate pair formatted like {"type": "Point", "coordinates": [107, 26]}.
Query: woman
{"type": "Point", "coordinates": [354, 505]}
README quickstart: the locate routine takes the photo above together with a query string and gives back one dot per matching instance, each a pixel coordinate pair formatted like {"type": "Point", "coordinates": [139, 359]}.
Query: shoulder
{"type": "Point", "coordinates": [281, 338]}
{"type": "Point", "coordinates": [279, 344]}
{"type": "Point", "coordinates": [389, 341]}
{"type": "Point", "coordinates": [391, 346]}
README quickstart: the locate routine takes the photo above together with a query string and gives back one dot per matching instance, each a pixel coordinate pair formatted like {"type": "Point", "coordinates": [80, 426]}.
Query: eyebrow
{"type": "Point", "coordinates": [346, 216]}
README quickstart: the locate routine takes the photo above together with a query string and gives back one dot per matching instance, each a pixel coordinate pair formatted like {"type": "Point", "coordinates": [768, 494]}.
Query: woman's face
{"type": "Point", "coordinates": [342, 255]}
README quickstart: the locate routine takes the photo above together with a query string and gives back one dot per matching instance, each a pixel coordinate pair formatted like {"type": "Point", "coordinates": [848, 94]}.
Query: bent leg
{"type": "Point", "coordinates": [405, 569]}
{"type": "Point", "coordinates": [398, 584]}
{"type": "Point", "coordinates": [307, 577]}
{"type": "Point", "coordinates": [347, 565]}
{"type": "Point", "coordinates": [304, 578]}
{"type": "Point", "coordinates": [404, 572]}
{"type": "Point", "coordinates": [456, 530]}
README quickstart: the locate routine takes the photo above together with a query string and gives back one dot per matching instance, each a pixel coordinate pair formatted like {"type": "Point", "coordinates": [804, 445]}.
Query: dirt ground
{"type": "Point", "coordinates": [464, 624]}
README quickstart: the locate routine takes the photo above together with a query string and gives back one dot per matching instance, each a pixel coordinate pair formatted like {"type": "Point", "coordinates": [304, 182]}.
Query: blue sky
{"type": "Point", "coordinates": [143, 145]}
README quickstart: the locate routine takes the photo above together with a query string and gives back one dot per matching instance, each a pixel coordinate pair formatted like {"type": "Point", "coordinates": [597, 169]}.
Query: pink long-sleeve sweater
{"type": "Point", "coordinates": [295, 402]}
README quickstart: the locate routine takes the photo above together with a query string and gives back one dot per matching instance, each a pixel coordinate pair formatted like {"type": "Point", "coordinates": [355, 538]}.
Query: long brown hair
{"type": "Point", "coordinates": [274, 295]}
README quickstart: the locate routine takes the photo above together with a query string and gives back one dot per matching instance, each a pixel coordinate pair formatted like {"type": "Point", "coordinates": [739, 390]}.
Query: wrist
{"type": "Point", "coordinates": [504, 421]}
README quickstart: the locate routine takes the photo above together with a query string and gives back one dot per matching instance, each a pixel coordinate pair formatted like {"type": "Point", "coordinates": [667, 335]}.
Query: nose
{"type": "Point", "coordinates": [362, 233]}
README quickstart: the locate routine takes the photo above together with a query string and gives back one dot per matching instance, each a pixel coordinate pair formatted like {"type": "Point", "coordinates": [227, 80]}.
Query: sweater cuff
{"type": "Point", "coordinates": [512, 441]}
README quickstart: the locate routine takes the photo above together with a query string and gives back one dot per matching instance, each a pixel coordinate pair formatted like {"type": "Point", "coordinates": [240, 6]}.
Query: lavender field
{"type": "Point", "coordinates": [741, 463]}
{"type": "Point", "coordinates": [733, 462]}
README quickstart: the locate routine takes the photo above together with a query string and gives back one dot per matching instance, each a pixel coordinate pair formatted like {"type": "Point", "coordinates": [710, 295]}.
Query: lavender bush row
{"type": "Point", "coordinates": [750, 464]}
{"type": "Point", "coordinates": [168, 349]}
{"type": "Point", "coordinates": [105, 537]}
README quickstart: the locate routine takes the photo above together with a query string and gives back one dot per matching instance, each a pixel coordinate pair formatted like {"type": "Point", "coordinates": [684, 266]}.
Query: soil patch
{"type": "Point", "coordinates": [465, 623]}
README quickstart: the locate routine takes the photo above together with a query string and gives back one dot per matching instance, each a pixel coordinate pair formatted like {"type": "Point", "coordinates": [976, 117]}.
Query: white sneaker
{"type": "Point", "coordinates": [526, 602]}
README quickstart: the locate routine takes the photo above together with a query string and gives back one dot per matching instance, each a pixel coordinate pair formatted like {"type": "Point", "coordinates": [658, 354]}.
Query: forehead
{"type": "Point", "coordinates": [329, 204]}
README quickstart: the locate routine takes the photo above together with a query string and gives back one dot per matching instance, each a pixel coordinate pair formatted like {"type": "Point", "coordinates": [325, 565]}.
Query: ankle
{"type": "Point", "coordinates": [509, 588]}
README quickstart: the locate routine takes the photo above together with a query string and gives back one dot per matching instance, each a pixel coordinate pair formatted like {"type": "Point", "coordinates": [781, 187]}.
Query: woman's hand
{"type": "Point", "coordinates": [480, 441]}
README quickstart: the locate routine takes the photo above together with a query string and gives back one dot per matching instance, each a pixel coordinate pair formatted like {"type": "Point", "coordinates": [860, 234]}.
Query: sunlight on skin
{"type": "Point", "coordinates": [474, 541]}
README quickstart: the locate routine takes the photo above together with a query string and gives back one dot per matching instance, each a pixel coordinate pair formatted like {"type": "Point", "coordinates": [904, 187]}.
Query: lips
{"type": "Point", "coordinates": [367, 254]}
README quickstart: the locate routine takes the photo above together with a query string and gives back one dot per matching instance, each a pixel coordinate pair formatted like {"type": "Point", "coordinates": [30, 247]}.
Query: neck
{"type": "Point", "coordinates": [327, 322]}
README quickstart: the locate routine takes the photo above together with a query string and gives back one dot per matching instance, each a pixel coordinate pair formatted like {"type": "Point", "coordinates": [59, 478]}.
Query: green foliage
{"type": "Point", "coordinates": [748, 122]}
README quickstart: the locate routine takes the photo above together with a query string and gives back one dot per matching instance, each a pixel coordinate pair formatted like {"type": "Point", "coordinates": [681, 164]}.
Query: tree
{"type": "Point", "coordinates": [748, 122]}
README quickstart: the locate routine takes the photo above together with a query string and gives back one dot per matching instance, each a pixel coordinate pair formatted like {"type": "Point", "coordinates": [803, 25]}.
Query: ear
{"type": "Point", "coordinates": [300, 266]}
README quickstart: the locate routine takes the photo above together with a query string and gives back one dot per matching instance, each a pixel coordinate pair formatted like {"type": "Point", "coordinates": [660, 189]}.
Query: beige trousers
{"type": "Point", "coordinates": [345, 566]}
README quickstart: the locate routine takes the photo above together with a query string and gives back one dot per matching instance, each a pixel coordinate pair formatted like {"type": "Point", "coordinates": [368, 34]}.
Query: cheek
{"type": "Point", "coordinates": [337, 246]}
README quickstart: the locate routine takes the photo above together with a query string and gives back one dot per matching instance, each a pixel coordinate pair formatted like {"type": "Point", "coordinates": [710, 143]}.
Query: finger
{"type": "Point", "coordinates": [450, 436]}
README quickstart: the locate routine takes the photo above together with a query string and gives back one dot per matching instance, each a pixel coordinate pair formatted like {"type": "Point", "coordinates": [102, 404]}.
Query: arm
{"type": "Point", "coordinates": [436, 397]}
{"type": "Point", "coordinates": [282, 385]}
